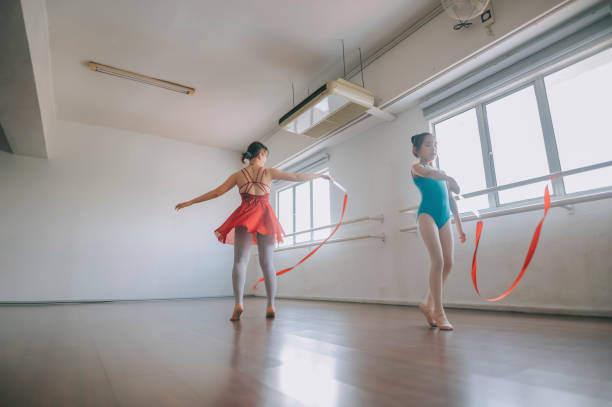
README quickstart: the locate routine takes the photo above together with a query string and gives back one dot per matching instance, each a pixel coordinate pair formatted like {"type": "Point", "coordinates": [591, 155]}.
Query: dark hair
{"type": "Point", "coordinates": [417, 141]}
{"type": "Point", "coordinates": [254, 149]}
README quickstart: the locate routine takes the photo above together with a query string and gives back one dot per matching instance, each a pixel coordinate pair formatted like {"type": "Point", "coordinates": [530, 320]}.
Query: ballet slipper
{"type": "Point", "coordinates": [427, 312]}
{"type": "Point", "coordinates": [270, 312]}
{"type": "Point", "coordinates": [238, 310]}
{"type": "Point", "coordinates": [442, 322]}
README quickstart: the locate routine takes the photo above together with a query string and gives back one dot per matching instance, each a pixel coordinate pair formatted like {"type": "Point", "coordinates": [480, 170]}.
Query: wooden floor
{"type": "Point", "coordinates": [187, 353]}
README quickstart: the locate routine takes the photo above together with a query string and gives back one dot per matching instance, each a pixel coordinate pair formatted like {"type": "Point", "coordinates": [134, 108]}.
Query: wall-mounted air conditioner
{"type": "Point", "coordinates": [327, 109]}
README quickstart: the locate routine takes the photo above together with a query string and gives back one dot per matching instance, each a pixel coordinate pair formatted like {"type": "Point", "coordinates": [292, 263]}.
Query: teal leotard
{"type": "Point", "coordinates": [434, 199]}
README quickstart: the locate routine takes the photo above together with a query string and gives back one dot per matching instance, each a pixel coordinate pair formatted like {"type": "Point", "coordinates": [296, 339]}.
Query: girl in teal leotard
{"type": "Point", "coordinates": [433, 218]}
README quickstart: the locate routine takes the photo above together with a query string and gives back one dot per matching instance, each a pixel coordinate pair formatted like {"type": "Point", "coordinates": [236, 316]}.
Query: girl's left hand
{"type": "Point", "coordinates": [462, 237]}
{"type": "Point", "coordinates": [182, 205]}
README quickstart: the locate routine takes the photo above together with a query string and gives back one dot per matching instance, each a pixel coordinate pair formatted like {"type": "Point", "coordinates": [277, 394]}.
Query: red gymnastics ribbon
{"type": "Point", "coordinates": [530, 252]}
{"type": "Point", "coordinates": [320, 244]}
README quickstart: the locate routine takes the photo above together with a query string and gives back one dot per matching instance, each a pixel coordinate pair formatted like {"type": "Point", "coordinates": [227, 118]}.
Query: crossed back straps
{"type": "Point", "coordinates": [256, 182]}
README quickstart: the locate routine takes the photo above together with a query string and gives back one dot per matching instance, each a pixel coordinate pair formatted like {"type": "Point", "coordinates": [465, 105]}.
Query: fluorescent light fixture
{"type": "Point", "coordinates": [331, 106]}
{"type": "Point", "coordinates": [94, 66]}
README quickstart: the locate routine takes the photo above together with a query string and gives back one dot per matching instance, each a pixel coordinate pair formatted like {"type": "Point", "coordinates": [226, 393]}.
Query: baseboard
{"type": "Point", "coordinates": [104, 301]}
{"type": "Point", "coordinates": [478, 307]}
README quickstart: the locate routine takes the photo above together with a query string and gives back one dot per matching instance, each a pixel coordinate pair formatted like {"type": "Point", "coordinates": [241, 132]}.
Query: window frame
{"type": "Point", "coordinates": [535, 79]}
{"type": "Point", "coordinates": [293, 186]}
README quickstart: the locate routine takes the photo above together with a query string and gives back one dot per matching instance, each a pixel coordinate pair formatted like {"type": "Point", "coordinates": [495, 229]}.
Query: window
{"type": "Point", "coordinates": [302, 207]}
{"type": "Point", "coordinates": [579, 98]}
{"type": "Point", "coordinates": [517, 143]}
{"type": "Point", "coordinates": [555, 121]}
{"type": "Point", "coordinates": [302, 211]}
{"type": "Point", "coordinates": [321, 210]}
{"type": "Point", "coordinates": [460, 133]}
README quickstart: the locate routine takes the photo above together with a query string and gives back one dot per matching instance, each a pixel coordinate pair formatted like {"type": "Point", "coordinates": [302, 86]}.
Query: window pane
{"type": "Point", "coordinates": [460, 156]}
{"type": "Point", "coordinates": [285, 213]}
{"type": "Point", "coordinates": [579, 99]}
{"type": "Point", "coordinates": [517, 144]}
{"type": "Point", "coordinates": [302, 211]}
{"type": "Point", "coordinates": [321, 207]}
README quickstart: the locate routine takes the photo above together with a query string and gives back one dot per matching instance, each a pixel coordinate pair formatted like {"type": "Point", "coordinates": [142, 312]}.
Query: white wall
{"type": "Point", "coordinates": [571, 271]}
{"type": "Point", "coordinates": [96, 220]}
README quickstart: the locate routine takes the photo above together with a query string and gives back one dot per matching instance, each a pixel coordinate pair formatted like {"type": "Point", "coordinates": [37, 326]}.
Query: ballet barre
{"type": "Point", "coordinates": [345, 239]}
{"type": "Point", "coordinates": [552, 176]}
{"type": "Point", "coordinates": [410, 209]}
{"type": "Point", "coordinates": [316, 242]}
{"type": "Point", "coordinates": [563, 202]}
{"type": "Point", "coordinates": [411, 229]}
{"type": "Point", "coordinates": [379, 218]}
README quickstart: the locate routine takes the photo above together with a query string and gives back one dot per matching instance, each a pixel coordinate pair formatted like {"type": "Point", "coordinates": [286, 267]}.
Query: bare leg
{"type": "Point", "coordinates": [446, 241]}
{"type": "Point", "coordinates": [265, 247]}
{"type": "Point", "coordinates": [429, 233]}
{"type": "Point", "coordinates": [242, 246]}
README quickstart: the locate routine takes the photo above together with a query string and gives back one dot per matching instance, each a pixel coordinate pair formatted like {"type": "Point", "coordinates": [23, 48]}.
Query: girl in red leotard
{"type": "Point", "coordinates": [253, 222]}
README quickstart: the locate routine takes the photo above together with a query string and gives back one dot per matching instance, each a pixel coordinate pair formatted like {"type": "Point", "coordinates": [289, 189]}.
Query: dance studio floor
{"type": "Point", "coordinates": [187, 353]}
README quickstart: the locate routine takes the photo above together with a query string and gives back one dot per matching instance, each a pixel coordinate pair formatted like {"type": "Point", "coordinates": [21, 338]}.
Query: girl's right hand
{"type": "Point", "coordinates": [327, 177]}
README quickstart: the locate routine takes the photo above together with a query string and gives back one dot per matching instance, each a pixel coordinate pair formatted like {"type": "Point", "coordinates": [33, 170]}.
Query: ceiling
{"type": "Point", "coordinates": [241, 56]}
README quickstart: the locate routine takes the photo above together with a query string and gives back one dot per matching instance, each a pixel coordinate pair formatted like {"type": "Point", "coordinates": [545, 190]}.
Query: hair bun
{"type": "Point", "coordinates": [253, 150]}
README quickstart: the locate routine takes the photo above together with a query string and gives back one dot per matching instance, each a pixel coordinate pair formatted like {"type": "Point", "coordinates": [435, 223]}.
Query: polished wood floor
{"type": "Point", "coordinates": [187, 353]}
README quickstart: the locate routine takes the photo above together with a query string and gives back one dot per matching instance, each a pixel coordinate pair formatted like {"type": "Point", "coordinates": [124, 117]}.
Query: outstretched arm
{"type": "Point", "coordinates": [215, 193]}
{"type": "Point", "coordinates": [289, 176]}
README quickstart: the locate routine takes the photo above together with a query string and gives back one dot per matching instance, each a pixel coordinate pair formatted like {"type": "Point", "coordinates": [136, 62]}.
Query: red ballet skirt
{"type": "Point", "coordinates": [254, 213]}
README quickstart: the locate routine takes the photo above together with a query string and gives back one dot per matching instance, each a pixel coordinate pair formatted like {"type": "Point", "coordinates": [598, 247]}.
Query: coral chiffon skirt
{"type": "Point", "coordinates": [254, 213]}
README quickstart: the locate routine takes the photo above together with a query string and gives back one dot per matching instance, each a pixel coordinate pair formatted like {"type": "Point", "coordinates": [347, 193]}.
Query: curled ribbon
{"type": "Point", "coordinates": [530, 252]}
{"type": "Point", "coordinates": [278, 273]}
